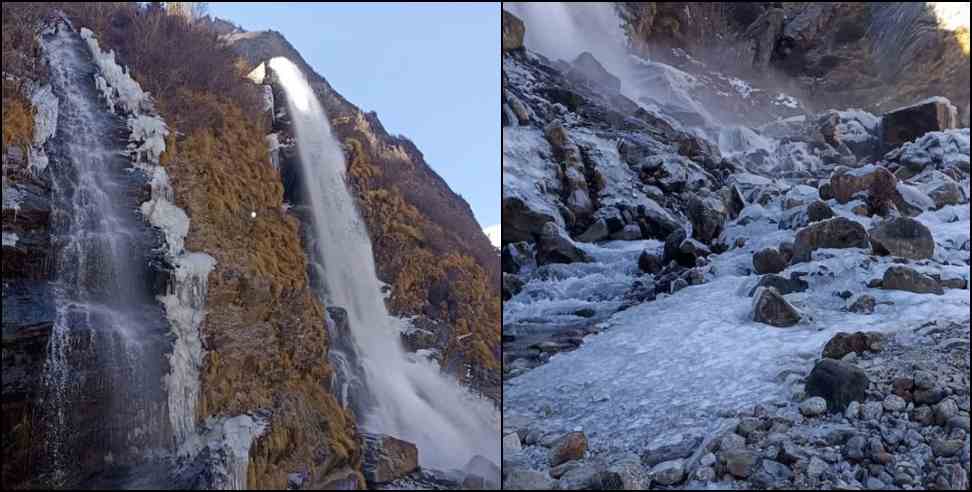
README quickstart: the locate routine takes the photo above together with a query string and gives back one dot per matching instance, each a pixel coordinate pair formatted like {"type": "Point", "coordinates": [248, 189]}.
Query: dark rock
{"type": "Point", "coordinates": [837, 382]}
{"type": "Point", "coordinates": [512, 286]}
{"type": "Point", "coordinates": [652, 457]}
{"type": "Point", "coordinates": [708, 218]}
{"type": "Point", "coordinates": [673, 250]}
{"type": "Point", "coordinates": [515, 256]}
{"type": "Point", "coordinates": [903, 237]}
{"type": "Point", "coordinates": [769, 261]}
{"type": "Point", "coordinates": [818, 211]}
{"type": "Point", "coordinates": [554, 246]}
{"type": "Point", "coordinates": [783, 285]}
{"type": "Point", "coordinates": [772, 309]}
{"type": "Point", "coordinates": [586, 68]}
{"type": "Point", "coordinates": [596, 232]}
{"type": "Point", "coordinates": [906, 124]}
{"type": "Point", "coordinates": [906, 279]}
{"type": "Point", "coordinates": [385, 458]}
{"type": "Point", "coordinates": [837, 233]}
{"type": "Point", "coordinates": [864, 304]}
{"type": "Point", "coordinates": [650, 263]}
{"type": "Point", "coordinates": [522, 223]}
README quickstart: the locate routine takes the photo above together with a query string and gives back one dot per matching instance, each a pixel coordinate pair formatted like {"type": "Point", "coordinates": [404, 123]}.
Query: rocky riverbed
{"type": "Point", "coordinates": [775, 304]}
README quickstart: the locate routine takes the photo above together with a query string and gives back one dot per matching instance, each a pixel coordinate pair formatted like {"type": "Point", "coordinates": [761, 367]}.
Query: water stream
{"type": "Point", "coordinates": [412, 399]}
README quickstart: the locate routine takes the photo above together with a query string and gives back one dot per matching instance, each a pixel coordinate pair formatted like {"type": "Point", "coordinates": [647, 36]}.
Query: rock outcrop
{"type": "Point", "coordinates": [838, 233]}
{"type": "Point", "coordinates": [903, 238]}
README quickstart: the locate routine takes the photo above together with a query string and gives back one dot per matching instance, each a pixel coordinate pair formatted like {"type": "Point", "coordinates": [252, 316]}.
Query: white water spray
{"type": "Point", "coordinates": [414, 401]}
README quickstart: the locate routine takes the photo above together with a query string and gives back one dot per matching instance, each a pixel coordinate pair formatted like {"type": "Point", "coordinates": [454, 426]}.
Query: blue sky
{"type": "Point", "coordinates": [430, 71]}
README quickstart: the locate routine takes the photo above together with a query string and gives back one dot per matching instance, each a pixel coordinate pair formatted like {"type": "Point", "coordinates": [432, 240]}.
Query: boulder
{"type": "Point", "coordinates": [768, 261]}
{"type": "Point", "coordinates": [836, 233]}
{"type": "Point", "coordinates": [771, 308]}
{"type": "Point", "coordinates": [629, 233]}
{"type": "Point", "coordinates": [946, 151]}
{"type": "Point", "coordinates": [586, 68]}
{"type": "Point", "coordinates": [528, 480]}
{"type": "Point", "coordinates": [630, 474]}
{"type": "Point", "coordinates": [385, 458]}
{"type": "Point", "coordinates": [739, 463]}
{"type": "Point", "coordinates": [512, 286]}
{"type": "Point", "coordinates": [511, 444]}
{"type": "Point", "coordinates": [515, 256]}
{"type": "Point", "coordinates": [875, 180]}
{"type": "Point", "coordinates": [554, 246]}
{"type": "Point", "coordinates": [521, 222]}
{"type": "Point", "coordinates": [669, 473]}
{"type": "Point", "coordinates": [906, 124]}
{"type": "Point", "coordinates": [785, 286]}
{"type": "Point", "coordinates": [568, 448]}
{"type": "Point", "coordinates": [513, 31]}
{"type": "Point", "coordinates": [598, 231]}
{"type": "Point", "coordinates": [708, 217]}
{"type": "Point", "coordinates": [864, 304]}
{"type": "Point", "coordinates": [908, 280]}
{"type": "Point", "coordinates": [813, 407]}
{"type": "Point", "coordinates": [846, 343]}
{"type": "Point", "coordinates": [837, 382]}
{"type": "Point", "coordinates": [650, 263]}
{"type": "Point", "coordinates": [673, 250]}
{"type": "Point", "coordinates": [902, 237]}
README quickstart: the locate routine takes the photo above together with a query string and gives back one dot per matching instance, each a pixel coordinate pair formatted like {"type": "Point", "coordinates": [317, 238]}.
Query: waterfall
{"type": "Point", "coordinates": [102, 399]}
{"type": "Point", "coordinates": [412, 399]}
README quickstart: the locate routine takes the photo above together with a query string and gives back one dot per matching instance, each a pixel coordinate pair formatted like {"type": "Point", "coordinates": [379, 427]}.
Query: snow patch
{"type": "Point", "coordinates": [785, 100]}
{"type": "Point", "coordinates": [10, 240]}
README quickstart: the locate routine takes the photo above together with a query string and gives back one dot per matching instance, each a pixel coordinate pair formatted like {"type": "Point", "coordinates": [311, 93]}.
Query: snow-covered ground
{"type": "Point", "coordinates": [664, 369]}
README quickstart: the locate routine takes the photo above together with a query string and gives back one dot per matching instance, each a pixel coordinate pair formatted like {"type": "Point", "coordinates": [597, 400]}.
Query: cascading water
{"type": "Point", "coordinates": [103, 397]}
{"type": "Point", "coordinates": [565, 30]}
{"type": "Point", "coordinates": [412, 399]}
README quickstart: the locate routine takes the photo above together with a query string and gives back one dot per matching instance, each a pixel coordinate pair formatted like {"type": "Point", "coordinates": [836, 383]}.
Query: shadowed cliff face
{"type": "Point", "coordinates": [842, 54]}
{"type": "Point", "coordinates": [428, 246]}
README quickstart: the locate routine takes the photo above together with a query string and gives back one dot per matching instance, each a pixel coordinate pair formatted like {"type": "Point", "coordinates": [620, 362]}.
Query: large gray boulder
{"type": "Point", "coordinates": [771, 308]}
{"type": "Point", "coordinates": [903, 237]}
{"type": "Point", "coordinates": [586, 68]}
{"type": "Point", "coordinates": [836, 233]}
{"type": "Point", "coordinates": [555, 246]}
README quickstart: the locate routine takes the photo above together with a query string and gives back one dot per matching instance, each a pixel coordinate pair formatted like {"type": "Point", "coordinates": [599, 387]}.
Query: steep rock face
{"type": "Point", "coordinates": [428, 247]}
{"type": "Point", "coordinates": [264, 335]}
{"type": "Point", "coordinates": [840, 54]}
{"type": "Point", "coordinates": [264, 329]}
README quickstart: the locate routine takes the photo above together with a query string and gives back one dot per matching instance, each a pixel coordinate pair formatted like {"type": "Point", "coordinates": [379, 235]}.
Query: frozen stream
{"type": "Point", "coordinates": [664, 370]}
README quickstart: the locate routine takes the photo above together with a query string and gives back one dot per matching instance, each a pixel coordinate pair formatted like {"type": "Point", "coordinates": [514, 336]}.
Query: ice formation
{"type": "Point", "coordinates": [185, 301]}
{"type": "Point", "coordinates": [10, 239]}
{"type": "Point", "coordinates": [230, 439]}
